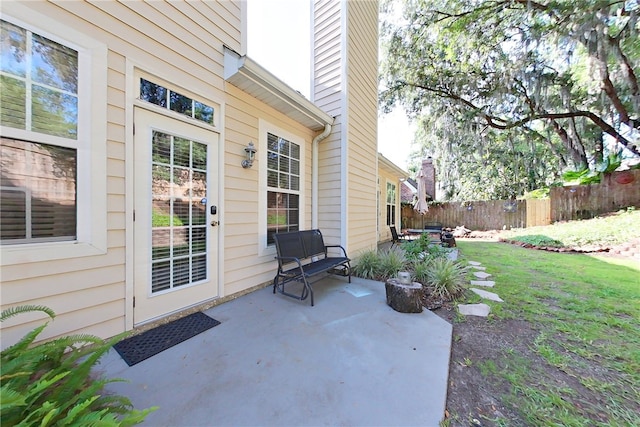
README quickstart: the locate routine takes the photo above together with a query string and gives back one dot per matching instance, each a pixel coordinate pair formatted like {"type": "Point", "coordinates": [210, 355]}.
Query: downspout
{"type": "Point", "coordinates": [314, 173]}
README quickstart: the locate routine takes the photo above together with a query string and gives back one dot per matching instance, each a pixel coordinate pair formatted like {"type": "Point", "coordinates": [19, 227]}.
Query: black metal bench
{"type": "Point", "coordinates": [302, 255]}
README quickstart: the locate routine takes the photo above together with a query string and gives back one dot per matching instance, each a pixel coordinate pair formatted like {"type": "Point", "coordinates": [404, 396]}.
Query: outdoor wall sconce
{"type": "Point", "coordinates": [250, 152]}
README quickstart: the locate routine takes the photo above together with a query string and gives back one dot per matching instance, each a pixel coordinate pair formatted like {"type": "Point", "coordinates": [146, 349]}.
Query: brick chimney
{"type": "Point", "coordinates": [429, 171]}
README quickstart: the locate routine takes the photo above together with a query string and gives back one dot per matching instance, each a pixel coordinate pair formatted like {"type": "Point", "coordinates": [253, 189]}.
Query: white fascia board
{"type": "Point", "coordinates": [392, 167]}
{"type": "Point", "coordinates": [251, 77]}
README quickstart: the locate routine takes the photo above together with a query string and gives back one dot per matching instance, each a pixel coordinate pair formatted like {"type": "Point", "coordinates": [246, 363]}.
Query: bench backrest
{"type": "Point", "coordinates": [313, 243]}
{"type": "Point", "coordinates": [300, 244]}
{"type": "Point", "coordinates": [289, 244]}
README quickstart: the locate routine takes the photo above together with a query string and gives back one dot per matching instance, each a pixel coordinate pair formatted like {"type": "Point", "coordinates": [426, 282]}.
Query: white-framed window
{"type": "Point", "coordinates": [283, 178]}
{"type": "Point", "coordinates": [283, 186]}
{"type": "Point", "coordinates": [53, 139]}
{"type": "Point", "coordinates": [391, 204]}
{"type": "Point", "coordinates": [158, 94]}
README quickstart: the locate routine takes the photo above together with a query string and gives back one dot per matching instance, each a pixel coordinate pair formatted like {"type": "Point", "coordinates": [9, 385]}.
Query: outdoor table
{"type": "Point", "coordinates": [420, 231]}
{"type": "Point", "coordinates": [412, 233]}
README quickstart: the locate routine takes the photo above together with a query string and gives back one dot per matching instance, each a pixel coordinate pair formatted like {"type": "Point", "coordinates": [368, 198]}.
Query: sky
{"type": "Point", "coordinates": [279, 39]}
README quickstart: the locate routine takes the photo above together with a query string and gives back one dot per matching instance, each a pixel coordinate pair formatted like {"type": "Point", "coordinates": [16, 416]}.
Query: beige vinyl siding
{"type": "Point", "coordinates": [345, 86]}
{"type": "Point", "coordinates": [245, 264]}
{"type": "Point", "coordinates": [327, 67]}
{"type": "Point", "coordinates": [88, 294]}
{"type": "Point", "coordinates": [327, 94]}
{"type": "Point", "coordinates": [159, 42]}
{"type": "Point", "coordinates": [330, 183]}
{"type": "Point", "coordinates": [362, 72]}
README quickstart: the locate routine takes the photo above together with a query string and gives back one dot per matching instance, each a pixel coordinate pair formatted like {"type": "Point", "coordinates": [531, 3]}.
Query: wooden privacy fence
{"type": "Point", "coordinates": [481, 215]}
{"type": "Point", "coordinates": [616, 191]}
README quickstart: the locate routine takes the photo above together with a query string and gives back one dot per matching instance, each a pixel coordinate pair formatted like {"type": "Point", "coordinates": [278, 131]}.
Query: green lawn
{"type": "Point", "coordinates": [606, 230]}
{"type": "Point", "coordinates": [587, 312]}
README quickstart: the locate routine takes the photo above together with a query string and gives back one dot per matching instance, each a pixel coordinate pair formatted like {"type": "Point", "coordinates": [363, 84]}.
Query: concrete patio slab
{"type": "Point", "coordinates": [275, 361]}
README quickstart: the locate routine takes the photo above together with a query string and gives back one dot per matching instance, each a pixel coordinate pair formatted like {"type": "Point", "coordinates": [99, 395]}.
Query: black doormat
{"type": "Point", "coordinates": [149, 343]}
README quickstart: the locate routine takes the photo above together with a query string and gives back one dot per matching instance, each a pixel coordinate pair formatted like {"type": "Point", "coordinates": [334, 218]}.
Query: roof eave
{"type": "Point", "coordinates": [252, 78]}
{"type": "Point", "coordinates": [392, 167]}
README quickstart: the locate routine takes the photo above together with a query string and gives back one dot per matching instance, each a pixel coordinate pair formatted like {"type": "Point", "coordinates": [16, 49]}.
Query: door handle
{"type": "Point", "coordinates": [214, 223]}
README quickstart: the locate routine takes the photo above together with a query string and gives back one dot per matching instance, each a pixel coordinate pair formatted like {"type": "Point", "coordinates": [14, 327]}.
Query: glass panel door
{"type": "Point", "coordinates": [175, 232]}
{"type": "Point", "coordinates": [178, 214]}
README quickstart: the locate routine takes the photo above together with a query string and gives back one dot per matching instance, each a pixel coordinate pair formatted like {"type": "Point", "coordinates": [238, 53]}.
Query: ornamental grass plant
{"type": "Point", "coordinates": [427, 262]}
{"type": "Point", "coordinates": [446, 278]}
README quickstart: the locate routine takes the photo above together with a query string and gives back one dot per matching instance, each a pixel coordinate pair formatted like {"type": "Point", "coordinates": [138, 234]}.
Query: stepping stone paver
{"type": "Point", "coordinates": [477, 267]}
{"type": "Point", "coordinates": [474, 263]}
{"type": "Point", "coordinates": [488, 295]}
{"type": "Point", "coordinates": [481, 275]}
{"type": "Point", "coordinates": [486, 283]}
{"type": "Point", "coordinates": [481, 309]}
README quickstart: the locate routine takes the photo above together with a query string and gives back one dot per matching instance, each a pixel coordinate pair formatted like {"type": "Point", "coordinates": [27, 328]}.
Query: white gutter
{"type": "Point", "coordinates": [314, 173]}
{"type": "Point", "coordinates": [255, 80]}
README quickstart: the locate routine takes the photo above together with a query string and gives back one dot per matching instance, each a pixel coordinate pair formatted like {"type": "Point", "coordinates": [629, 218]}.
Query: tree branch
{"type": "Point", "coordinates": [505, 124]}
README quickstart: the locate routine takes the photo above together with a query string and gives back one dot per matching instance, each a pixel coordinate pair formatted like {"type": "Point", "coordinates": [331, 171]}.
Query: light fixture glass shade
{"type": "Point", "coordinates": [250, 152]}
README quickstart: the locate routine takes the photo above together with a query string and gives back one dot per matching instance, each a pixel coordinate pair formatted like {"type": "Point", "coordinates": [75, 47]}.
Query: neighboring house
{"type": "Point", "coordinates": [390, 181]}
{"type": "Point", "coordinates": [124, 130]}
{"type": "Point", "coordinates": [409, 191]}
{"type": "Point", "coordinates": [410, 186]}
{"type": "Point", "coordinates": [429, 174]}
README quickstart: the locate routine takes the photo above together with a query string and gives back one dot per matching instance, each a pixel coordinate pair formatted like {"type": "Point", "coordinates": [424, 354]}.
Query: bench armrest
{"type": "Point", "coordinates": [338, 246]}
{"type": "Point", "coordinates": [288, 259]}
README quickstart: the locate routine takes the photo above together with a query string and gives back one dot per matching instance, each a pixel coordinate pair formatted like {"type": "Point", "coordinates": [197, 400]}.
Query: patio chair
{"type": "Point", "coordinates": [396, 237]}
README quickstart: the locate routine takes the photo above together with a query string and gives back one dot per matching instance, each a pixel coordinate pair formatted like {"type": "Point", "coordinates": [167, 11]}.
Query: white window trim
{"type": "Point", "coordinates": [140, 73]}
{"type": "Point", "coordinates": [264, 128]}
{"type": "Point", "coordinates": [91, 142]}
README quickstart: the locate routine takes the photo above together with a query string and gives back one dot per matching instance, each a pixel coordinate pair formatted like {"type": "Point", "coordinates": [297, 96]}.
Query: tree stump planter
{"type": "Point", "coordinates": [404, 297]}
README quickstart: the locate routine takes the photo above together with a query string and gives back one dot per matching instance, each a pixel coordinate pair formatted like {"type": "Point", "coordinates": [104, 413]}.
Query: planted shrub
{"type": "Point", "coordinates": [423, 248]}
{"type": "Point", "coordinates": [413, 249]}
{"type": "Point", "coordinates": [446, 278]}
{"type": "Point", "coordinates": [51, 383]}
{"type": "Point", "coordinates": [368, 265]}
{"type": "Point", "coordinates": [421, 271]}
{"type": "Point", "coordinates": [538, 240]}
{"type": "Point", "coordinates": [391, 261]}
{"type": "Point", "coordinates": [435, 251]}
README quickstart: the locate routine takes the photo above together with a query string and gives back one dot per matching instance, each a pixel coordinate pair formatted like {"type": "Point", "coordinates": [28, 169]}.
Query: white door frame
{"type": "Point", "coordinates": [150, 307]}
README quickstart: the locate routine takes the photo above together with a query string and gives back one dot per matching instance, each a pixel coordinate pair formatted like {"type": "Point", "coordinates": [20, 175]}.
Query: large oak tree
{"type": "Point", "coordinates": [527, 87]}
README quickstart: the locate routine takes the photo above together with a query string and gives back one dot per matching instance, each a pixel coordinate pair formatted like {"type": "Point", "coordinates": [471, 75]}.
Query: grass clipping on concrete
{"type": "Point", "coordinates": [585, 314]}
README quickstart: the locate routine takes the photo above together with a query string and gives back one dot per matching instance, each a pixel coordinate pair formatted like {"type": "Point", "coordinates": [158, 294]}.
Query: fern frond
{"type": "Point", "coordinates": [14, 311]}
{"type": "Point", "coordinates": [6, 377]}
{"type": "Point", "coordinates": [117, 403]}
{"type": "Point", "coordinates": [77, 409]}
{"type": "Point", "coordinates": [10, 398]}
{"type": "Point", "coordinates": [24, 343]}
{"type": "Point", "coordinates": [49, 417]}
{"type": "Point", "coordinates": [52, 383]}
{"type": "Point", "coordinates": [74, 341]}
{"type": "Point", "coordinates": [136, 416]}
{"type": "Point", "coordinates": [45, 383]}
{"type": "Point", "coordinates": [101, 418]}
